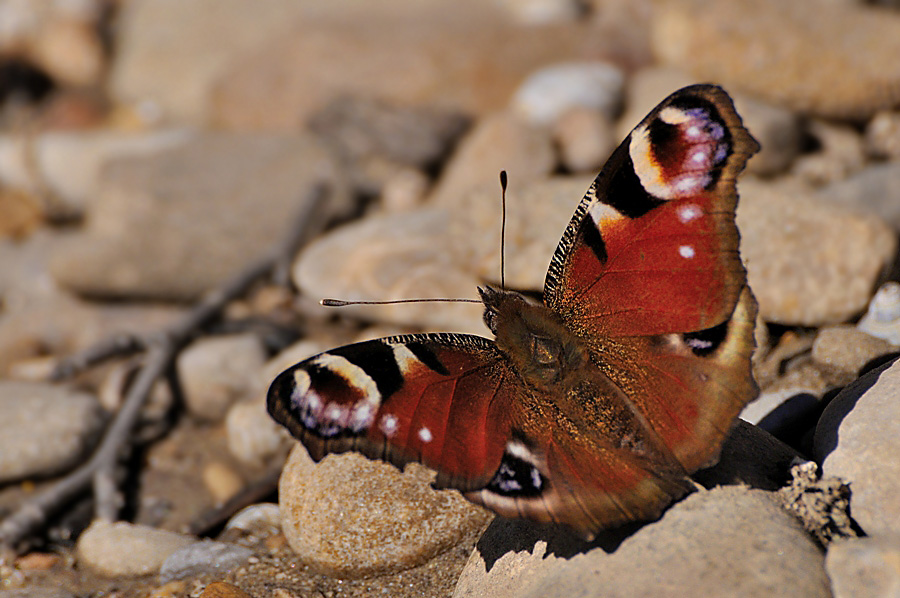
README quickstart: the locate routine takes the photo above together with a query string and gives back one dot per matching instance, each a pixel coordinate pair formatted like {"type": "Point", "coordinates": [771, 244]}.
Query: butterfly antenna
{"type": "Point", "coordinates": [342, 303]}
{"type": "Point", "coordinates": [503, 229]}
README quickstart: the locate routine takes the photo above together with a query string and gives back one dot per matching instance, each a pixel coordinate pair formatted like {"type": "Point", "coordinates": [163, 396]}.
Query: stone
{"type": "Point", "coordinates": [221, 589]}
{"type": "Point", "coordinates": [216, 372]}
{"type": "Point", "coordinates": [201, 558]}
{"type": "Point", "coordinates": [856, 440]}
{"type": "Point", "coordinates": [840, 154]}
{"type": "Point", "coordinates": [377, 139]}
{"type": "Point", "coordinates": [729, 541]}
{"type": "Point", "coordinates": [809, 263]}
{"type": "Point", "coordinates": [351, 517]}
{"type": "Point", "coordinates": [127, 550]}
{"type": "Point", "coordinates": [788, 47]}
{"type": "Point", "coordinates": [467, 56]}
{"type": "Point", "coordinates": [776, 128]}
{"type": "Point", "coordinates": [71, 52]}
{"type": "Point", "coordinates": [69, 164]}
{"type": "Point", "coordinates": [194, 196]}
{"type": "Point", "coordinates": [222, 481]}
{"type": "Point", "coordinates": [31, 413]}
{"type": "Point", "coordinates": [543, 12]}
{"type": "Point", "coordinates": [882, 318]}
{"type": "Point", "coordinates": [500, 141]}
{"type": "Point", "coordinates": [253, 437]}
{"type": "Point", "coordinates": [262, 517]}
{"type": "Point", "coordinates": [874, 190]}
{"type": "Point", "coordinates": [550, 92]}
{"type": "Point", "coordinates": [170, 53]}
{"type": "Point", "coordinates": [585, 139]}
{"type": "Point", "coordinates": [848, 348]}
{"type": "Point", "coordinates": [882, 135]}
{"type": "Point", "coordinates": [864, 567]}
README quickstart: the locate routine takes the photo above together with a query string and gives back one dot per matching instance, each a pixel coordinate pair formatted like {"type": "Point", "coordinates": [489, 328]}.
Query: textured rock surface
{"type": "Point", "coordinates": [808, 262]}
{"type": "Point", "coordinates": [202, 197]}
{"type": "Point", "coordinates": [835, 60]}
{"type": "Point", "coordinates": [32, 413]}
{"type": "Point", "coordinates": [352, 517]}
{"type": "Point", "coordinates": [857, 439]}
{"type": "Point", "coordinates": [123, 550]}
{"type": "Point", "coordinates": [864, 567]}
{"type": "Point", "coordinates": [730, 541]}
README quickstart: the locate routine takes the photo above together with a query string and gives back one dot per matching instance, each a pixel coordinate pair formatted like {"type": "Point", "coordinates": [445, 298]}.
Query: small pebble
{"type": "Point", "coordinates": [216, 372]}
{"type": "Point", "coordinates": [554, 90]}
{"type": "Point", "coordinates": [253, 437]}
{"type": "Point", "coordinates": [221, 589]}
{"type": "Point", "coordinates": [127, 550]}
{"type": "Point", "coordinates": [31, 413]}
{"type": "Point", "coordinates": [222, 481]}
{"type": "Point", "coordinates": [203, 557]}
{"type": "Point", "coordinates": [585, 139]}
{"type": "Point", "coordinates": [882, 319]}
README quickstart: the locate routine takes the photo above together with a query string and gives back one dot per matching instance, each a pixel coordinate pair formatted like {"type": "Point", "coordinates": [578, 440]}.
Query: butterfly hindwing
{"type": "Point", "coordinates": [440, 399]}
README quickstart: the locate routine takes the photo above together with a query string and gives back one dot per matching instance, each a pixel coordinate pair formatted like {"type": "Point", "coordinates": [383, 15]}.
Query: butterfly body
{"type": "Point", "coordinates": [592, 407]}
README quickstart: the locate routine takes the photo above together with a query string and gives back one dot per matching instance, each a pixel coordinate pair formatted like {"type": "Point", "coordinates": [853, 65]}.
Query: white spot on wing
{"type": "Point", "coordinates": [603, 214]}
{"type": "Point", "coordinates": [520, 451]}
{"type": "Point", "coordinates": [686, 251]}
{"type": "Point", "coordinates": [388, 424]}
{"type": "Point", "coordinates": [359, 416]}
{"type": "Point", "coordinates": [405, 358]}
{"type": "Point", "coordinates": [425, 435]}
{"type": "Point", "coordinates": [689, 212]}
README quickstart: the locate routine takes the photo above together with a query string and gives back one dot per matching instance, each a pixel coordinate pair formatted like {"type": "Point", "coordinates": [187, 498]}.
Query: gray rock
{"type": "Point", "coordinates": [786, 41]}
{"type": "Point", "coordinates": [729, 541]}
{"type": "Point", "coordinates": [552, 91]}
{"type": "Point", "coordinates": [348, 516]}
{"type": "Point", "coordinates": [195, 196]}
{"type": "Point", "coordinates": [864, 567]}
{"type": "Point", "coordinates": [809, 263]}
{"type": "Point", "coordinates": [882, 318]}
{"type": "Point", "coordinates": [501, 141]}
{"type": "Point", "coordinates": [69, 164]}
{"type": "Point", "coordinates": [170, 54]}
{"type": "Point", "coordinates": [874, 190]}
{"type": "Point", "coordinates": [202, 558]}
{"type": "Point", "coordinates": [32, 413]}
{"type": "Point", "coordinates": [253, 437]}
{"type": "Point", "coordinates": [848, 348]}
{"type": "Point", "coordinates": [857, 439]}
{"type": "Point", "coordinates": [216, 372]}
{"type": "Point", "coordinates": [126, 550]}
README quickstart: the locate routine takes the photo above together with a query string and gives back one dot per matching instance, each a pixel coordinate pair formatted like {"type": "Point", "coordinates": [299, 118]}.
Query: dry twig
{"type": "Point", "coordinates": [161, 349]}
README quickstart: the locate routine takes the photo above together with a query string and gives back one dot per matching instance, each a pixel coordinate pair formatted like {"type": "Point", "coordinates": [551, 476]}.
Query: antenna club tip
{"type": "Point", "coordinates": [332, 302]}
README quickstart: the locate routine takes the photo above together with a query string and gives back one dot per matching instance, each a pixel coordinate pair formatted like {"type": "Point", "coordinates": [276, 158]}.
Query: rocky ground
{"type": "Point", "coordinates": [152, 150]}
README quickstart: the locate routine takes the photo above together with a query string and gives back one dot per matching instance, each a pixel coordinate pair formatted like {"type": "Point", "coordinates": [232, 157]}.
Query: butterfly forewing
{"type": "Point", "coordinates": [441, 399]}
{"type": "Point", "coordinates": [653, 247]}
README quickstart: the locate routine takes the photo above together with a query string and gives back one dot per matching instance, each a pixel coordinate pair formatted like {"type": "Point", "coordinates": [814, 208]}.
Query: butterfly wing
{"type": "Point", "coordinates": [653, 246]}
{"type": "Point", "coordinates": [648, 272]}
{"type": "Point", "coordinates": [441, 399]}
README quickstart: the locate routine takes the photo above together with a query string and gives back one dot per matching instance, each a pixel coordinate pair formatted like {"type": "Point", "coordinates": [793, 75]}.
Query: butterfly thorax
{"type": "Point", "coordinates": [542, 350]}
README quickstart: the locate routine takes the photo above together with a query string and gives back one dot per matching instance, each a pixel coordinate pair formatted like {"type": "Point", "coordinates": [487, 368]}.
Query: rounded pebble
{"type": "Point", "coordinates": [552, 91]}
{"type": "Point", "coordinates": [857, 439]}
{"type": "Point", "coordinates": [202, 558]}
{"type": "Point", "coordinates": [253, 436]}
{"type": "Point", "coordinates": [127, 550]}
{"type": "Point", "coordinates": [218, 371]}
{"type": "Point", "coordinates": [351, 517]}
{"type": "Point", "coordinates": [31, 413]}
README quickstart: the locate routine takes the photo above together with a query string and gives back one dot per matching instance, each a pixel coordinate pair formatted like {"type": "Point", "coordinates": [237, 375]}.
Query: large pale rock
{"type": "Point", "coordinates": [730, 541]}
{"type": "Point", "coordinates": [32, 413]}
{"type": "Point", "coordinates": [809, 263]}
{"type": "Point", "coordinates": [857, 439]}
{"type": "Point", "coordinates": [172, 225]}
{"type": "Point", "coordinates": [836, 59]}
{"type": "Point", "coordinates": [126, 550]}
{"type": "Point", "coordinates": [351, 517]}
{"type": "Point", "coordinates": [864, 567]}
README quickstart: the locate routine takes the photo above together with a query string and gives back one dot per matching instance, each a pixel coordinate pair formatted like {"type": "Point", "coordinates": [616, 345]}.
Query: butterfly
{"type": "Point", "coordinates": [593, 407]}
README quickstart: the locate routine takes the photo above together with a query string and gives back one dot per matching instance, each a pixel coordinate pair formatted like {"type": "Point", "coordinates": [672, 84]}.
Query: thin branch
{"type": "Point", "coordinates": [161, 349]}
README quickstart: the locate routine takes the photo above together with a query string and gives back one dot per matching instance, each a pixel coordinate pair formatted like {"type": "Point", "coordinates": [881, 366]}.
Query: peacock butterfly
{"type": "Point", "coordinates": [592, 408]}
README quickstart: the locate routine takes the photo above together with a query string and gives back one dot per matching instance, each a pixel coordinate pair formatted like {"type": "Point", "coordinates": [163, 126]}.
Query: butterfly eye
{"type": "Point", "coordinates": [543, 351]}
